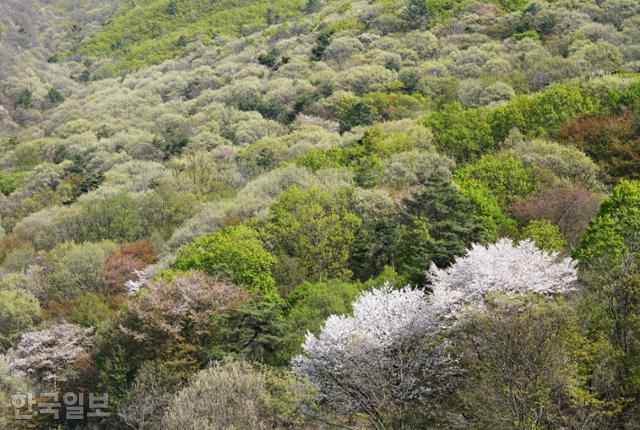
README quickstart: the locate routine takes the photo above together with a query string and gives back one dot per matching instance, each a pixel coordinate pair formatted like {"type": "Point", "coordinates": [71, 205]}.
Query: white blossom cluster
{"type": "Point", "coordinates": [501, 267]}
{"type": "Point", "coordinates": [360, 362]}
{"type": "Point", "coordinates": [392, 350]}
{"type": "Point", "coordinates": [141, 280]}
{"type": "Point", "coordinates": [50, 354]}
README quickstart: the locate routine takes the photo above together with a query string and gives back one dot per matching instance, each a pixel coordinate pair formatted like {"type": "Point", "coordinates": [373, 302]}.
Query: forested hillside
{"type": "Point", "coordinates": [320, 214]}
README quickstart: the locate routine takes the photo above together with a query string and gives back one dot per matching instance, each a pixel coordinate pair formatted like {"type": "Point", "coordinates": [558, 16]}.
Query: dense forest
{"type": "Point", "coordinates": [320, 214]}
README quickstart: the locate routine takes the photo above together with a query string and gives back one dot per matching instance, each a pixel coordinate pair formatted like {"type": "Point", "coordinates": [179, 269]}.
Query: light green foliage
{"type": "Point", "coordinates": [314, 227]}
{"type": "Point", "coordinates": [21, 282]}
{"type": "Point", "coordinates": [76, 268]}
{"type": "Point", "coordinates": [609, 258]}
{"type": "Point", "coordinates": [565, 162]}
{"type": "Point", "coordinates": [236, 395]}
{"type": "Point", "coordinates": [308, 149]}
{"type": "Point", "coordinates": [398, 142]}
{"type": "Point", "coordinates": [311, 304]}
{"type": "Point", "coordinates": [9, 182]}
{"type": "Point", "coordinates": [545, 235]}
{"type": "Point", "coordinates": [352, 111]}
{"type": "Point", "coordinates": [19, 313]}
{"type": "Point", "coordinates": [154, 34]}
{"type": "Point", "coordinates": [234, 253]}
{"type": "Point", "coordinates": [487, 207]}
{"type": "Point", "coordinates": [461, 133]}
{"type": "Point", "coordinates": [503, 173]}
{"type": "Point", "coordinates": [541, 114]}
{"type": "Point", "coordinates": [467, 133]}
{"type": "Point", "coordinates": [613, 234]}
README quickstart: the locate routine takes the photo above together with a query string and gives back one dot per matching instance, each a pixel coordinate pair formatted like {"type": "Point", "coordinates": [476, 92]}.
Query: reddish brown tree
{"type": "Point", "coordinates": [570, 208]}
{"type": "Point", "coordinates": [177, 319]}
{"type": "Point", "coordinates": [613, 142]}
{"type": "Point", "coordinates": [120, 268]}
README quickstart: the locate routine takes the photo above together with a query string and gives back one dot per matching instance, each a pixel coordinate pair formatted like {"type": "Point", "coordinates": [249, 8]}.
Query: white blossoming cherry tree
{"type": "Point", "coordinates": [503, 268]}
{"type": "Point", "coordinates": [50, 356]}
{"type": "Point", "coordinates": [392, 353]}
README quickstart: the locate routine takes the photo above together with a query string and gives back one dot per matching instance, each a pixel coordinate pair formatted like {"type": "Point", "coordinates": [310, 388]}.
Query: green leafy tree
{"type": "Point", "coordinates": [115, 218]}
{"type": "Point", "coordinates": [19, 313]}
{"type": "Point", "coordinates": [487, 208]}
{"type": "Point", "coordinates": [314, 227]}
{"type": "Point", "coordinates": [613, 234]}
{"type": "Point", "coordinates": [609, 256]}
{"type": "Point", "coordinates": [172, 8]}
{"type": "Point", "coordinates": [240, 395]}
{"type": "Point", "coordinates": [353, 112]}
{"type": "Point", "coordinates": [311, 6]}
{"type": "Point", "coordinates": [75, 269]}
{"type": "Point", "coordinates": [463, 134]}
{"type": "Point", "coordinates": [322, 43]}
{"type": "Point", "coordinates": [254, 331]}
{"type": "Point", "coordinates": [524, 360]}
{"type": "Point", "coordinates": [234, 253]}
{"type": "Point", "coordinates": [152, 391]}
{"type": "Point", "coordinates": [545, 235]}
{"type": "Point", "coordinates": [505, 174]}
{"type": "Point", "coordinates": [416, 12]}
{"type": "Point", "coordinates": [380, 243]}
{"type": "Point", "coordinates": [368, 171]}
{"type": "Point", "coordinates": [542, 114]}
{"type": "Point", "coordinates": [176, 321]}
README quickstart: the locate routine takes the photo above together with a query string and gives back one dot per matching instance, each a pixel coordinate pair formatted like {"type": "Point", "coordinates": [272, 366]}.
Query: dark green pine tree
{"type": "Point", "coordinates": [378, 243]}
{"type": "Point", "coordinates": [254, 331]}
{"type": "Point", "coordinates": [451, 224]}
{"type": "Point", "coordinates": [416, 13]}
{"type": "Point", "coordinates": [311, 6]}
